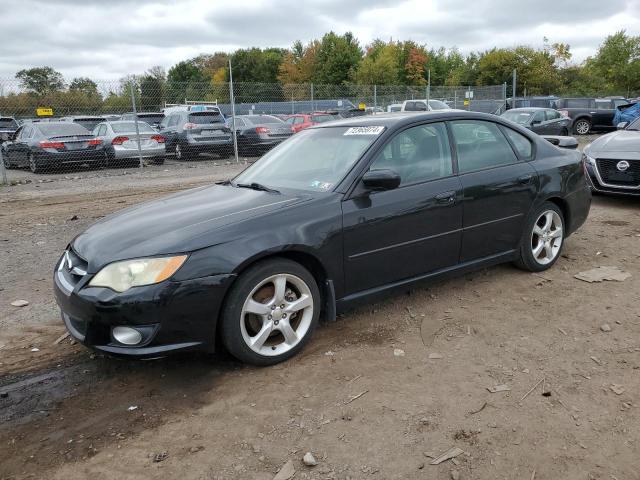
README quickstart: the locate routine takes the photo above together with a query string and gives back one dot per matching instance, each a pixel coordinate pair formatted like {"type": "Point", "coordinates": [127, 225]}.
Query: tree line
{"type": "Point", "coordinates": [280, 74]}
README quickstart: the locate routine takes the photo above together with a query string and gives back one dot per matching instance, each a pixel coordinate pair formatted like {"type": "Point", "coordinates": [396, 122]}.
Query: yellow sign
{"type": "Point", "coordinates": [44, 112]}
{"type": "Point", "coordinates": [466, 102]}
{"type": "Point", "coordinates": [362, 106]}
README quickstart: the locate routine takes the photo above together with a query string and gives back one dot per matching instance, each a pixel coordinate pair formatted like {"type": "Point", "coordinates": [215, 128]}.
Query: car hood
{"type": "Point", "coordinates": [184, 222]}
{"type": "Point", "coordinates": [620, 141]}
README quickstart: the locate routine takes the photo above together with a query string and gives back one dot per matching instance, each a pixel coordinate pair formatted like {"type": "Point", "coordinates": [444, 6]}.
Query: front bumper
{"type": "Point", "coordinates": [172, 316]}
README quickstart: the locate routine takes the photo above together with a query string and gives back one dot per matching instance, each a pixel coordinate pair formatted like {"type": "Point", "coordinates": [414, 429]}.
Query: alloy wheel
{"type": "Point", "coordinates": [178, 152]}
{"type": "Point", "coordinates": [33, 166]}
{"type": "Point", "coordinates": [547, 237]}
{"type": "Point", "coordinates": [582, 127]}
{"type": "Point", "coordinates": [277, 314]}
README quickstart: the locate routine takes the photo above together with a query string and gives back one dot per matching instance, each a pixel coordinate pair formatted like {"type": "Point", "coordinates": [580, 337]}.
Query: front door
{"type": "Point", "coordinates": [413, 229]}
{"type": "Point", "coordinates": [499, 186]}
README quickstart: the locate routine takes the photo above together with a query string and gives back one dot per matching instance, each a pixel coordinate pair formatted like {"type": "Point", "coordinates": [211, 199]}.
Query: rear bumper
{"type": "Point", "coordinates": [121, 153]}
{"type": "Point", "coordinates": [579, 204]}
{"type": "Point", "coordinates": [171, 316]}
{"type": "Point", "coordinates": [62, 158]}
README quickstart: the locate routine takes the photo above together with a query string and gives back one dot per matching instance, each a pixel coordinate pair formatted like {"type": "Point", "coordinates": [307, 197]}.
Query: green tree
{"type": "Point", "coordinates": [337, 59]}
{"type": "Point", "coordinates": [40, 80]}
{"type": "Point", "coordinates": [84, 85]}
{"type": "Point", "coordinates": [379, 65]}
{"type": "Point", "coordinates": [618, 62]}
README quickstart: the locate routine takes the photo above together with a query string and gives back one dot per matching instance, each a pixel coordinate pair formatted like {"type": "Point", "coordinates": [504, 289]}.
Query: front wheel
{"type": "Point", "coordinates": [34, 166]}
{"type": "Point", "coordinates": [270, 312]}
{"type": "Point", "coordinates": [542, 240]}
{"type": "Point", "coordinates": [582, 126]}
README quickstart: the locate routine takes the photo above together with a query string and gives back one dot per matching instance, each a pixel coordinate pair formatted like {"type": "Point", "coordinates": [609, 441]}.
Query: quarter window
{"type": "Point", "coordinates": [480, 145]}
{"type": "Point", "coordinates": [520, 142]}
{"type": "Point", "coordinates": [417, 154]}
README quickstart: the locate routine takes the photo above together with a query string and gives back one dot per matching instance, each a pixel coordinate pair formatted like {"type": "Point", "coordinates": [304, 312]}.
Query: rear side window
{"type": "Point", "coordinates": [62, 129]}
{"type": "Point", "coordinates": [521, 143]}
{"type": "Point", "coordinates": [579, 103]}
{"type": "Point", "coordinates": [8, 123]}
{"type": "Point", "coordinates": [480, 145]}
{"type": "Point", "coordinates": [604, 104]}
{"type": "Point", "coordinates": [417, 154]}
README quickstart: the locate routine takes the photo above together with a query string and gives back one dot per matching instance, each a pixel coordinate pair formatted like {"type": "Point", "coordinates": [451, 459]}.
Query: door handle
{"type": "Point", "coordinates": [524, 179]}
{"type": "Point", "coordinates": [446, 197]}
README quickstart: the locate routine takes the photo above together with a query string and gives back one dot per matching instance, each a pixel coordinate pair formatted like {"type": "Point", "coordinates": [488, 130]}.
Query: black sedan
{"type": "Point", "coordinates": [338, 214]}
{"type": "Point", "coordinates": [543, 121]}
{"type": "Point", "coordinates": [257, 134]}
{"type": "Point", "coordinates": [49, 145]}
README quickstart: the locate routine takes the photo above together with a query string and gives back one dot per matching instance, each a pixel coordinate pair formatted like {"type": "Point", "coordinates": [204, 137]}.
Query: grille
{"type": "Point", "coordinates": [611, 175]}
{"type": "Point", "coordinates": [72, 268]}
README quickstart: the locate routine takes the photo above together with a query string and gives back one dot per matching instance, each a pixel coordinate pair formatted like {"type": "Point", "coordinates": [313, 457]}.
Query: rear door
{"type": "Point", "coordinates": [499, 186]}
{"type": "Point", "coordinates": [411, 230]}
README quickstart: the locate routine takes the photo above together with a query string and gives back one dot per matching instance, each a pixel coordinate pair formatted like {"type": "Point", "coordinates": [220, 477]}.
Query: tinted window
{"type": "Point", "coordinates": [520, 142]}
{"type": "Point", "coordinates": [62, 129]}
{"type": "Point", "coordinates": [604, 104]}
{"type": "Point", "coordinates": [552, 115]}
{"type": "Point", "coordinates": [88, 123]}
{"type": "Point", "coordinates": [517, 116]}
{"type": "Point", "coordinates": [538, 117]}
{"type": "Point", "coordinates": [578, 103]}
{"type": "Point", "coordinates": [206, 118]}
{"type": "Point", "coordinates": [417, 154]}
{"type": "Point", "coordinates": [149, 118]}
{"type": "Point", "coordinates": [480, 145]}
{"type": "Point", "coordinates": [415, 106]}
{"type": "Point", "coordinates": [322, 118]}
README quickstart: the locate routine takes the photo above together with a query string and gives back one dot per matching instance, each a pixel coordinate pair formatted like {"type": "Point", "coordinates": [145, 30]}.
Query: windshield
{"type": "Point", "coordinates": [635, 125]}
{"type": "Point", "coordinates": [62, 129]}
{"type": "Point", "coordinates": [88, 123]}
{"type": "Point", "coordinates": [151, 118]}
{"type": "Point", "coordinates": [313, 160]}
{"type": "Point", "coordinates": [518, 117]}
{"type": "Point", "coordinates": [204, 118]}
{"type": "Point", "coordinates": [438, 105]}
{"type": "Point", "coordinates": [129, 127]}
{"type": "Point", "coordinates": [260, 119]}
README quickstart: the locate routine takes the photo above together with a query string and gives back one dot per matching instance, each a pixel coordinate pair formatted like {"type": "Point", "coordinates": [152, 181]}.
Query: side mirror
{"type": "Point", "coordinates": [622, 125]}
{"type": "Point", "coordinates": [383, 179]}
{"type": "Point", "coordinates": [562, 142]}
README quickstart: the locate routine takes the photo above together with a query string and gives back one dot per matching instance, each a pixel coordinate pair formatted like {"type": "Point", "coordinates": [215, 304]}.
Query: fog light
{"type": "Point", "coordinates": [127, 335]}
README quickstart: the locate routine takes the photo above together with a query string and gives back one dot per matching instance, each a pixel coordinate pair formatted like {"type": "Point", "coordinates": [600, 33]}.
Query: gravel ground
{"type": "Point", "coordinates": [376, 394]}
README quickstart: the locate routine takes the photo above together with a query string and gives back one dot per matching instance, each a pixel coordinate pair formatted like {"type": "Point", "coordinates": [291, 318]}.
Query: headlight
{"type": "Point", "coordinates": [589, 159]}
{"type": "Point", "coordinates": [121, 276]}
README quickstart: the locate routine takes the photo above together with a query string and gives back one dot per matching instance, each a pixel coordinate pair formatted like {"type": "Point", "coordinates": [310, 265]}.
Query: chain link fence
{"type": "Point", "coordinates": [142, 123]}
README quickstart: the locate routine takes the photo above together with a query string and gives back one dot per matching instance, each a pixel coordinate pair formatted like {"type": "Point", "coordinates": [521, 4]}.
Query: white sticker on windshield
{"type": "Point", "coordinates": [364, 131]}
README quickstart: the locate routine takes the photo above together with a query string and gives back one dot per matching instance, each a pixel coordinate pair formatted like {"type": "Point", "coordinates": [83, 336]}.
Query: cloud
{"type": "Point", "coordinates": [107, 40]}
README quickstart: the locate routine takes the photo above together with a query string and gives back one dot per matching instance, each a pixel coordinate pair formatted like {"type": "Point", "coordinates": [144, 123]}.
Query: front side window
{"type": "Point", "coordinates": [538, 117]}
{"type": "Point", "coordinates": [552, 115]}
{"type": "Point", "coordinates": [417, 154]}
{"type": "Point", "coordinates": [480, 145]}
{"type": "Point", "coordinates": [313, 160]}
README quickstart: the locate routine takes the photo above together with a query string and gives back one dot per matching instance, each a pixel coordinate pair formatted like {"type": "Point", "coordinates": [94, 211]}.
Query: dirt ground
{"type": "Point", "coordinates": [376, 394]}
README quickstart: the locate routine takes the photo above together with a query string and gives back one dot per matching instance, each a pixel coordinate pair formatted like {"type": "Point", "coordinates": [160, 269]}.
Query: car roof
{"type": "Point", "coordinates": [399, 119]}
{"type": "Point", "coordinates": [528, 109]}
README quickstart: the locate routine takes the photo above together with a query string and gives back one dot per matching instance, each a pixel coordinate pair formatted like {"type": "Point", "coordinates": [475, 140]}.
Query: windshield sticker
{"type": "Point", "coordinates": [321, 185]}
{"type": "Point", "coordinates": [364, 131]}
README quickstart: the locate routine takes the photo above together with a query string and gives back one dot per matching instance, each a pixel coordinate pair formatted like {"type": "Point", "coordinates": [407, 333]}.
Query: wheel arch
{"type": "Point", "coordinates": [563, 206]}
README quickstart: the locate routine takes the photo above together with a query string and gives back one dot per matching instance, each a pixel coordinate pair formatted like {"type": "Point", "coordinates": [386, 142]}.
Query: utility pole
{"type": "Point", "coordinates": [233, 114]}
{"type": "Point", "coordinates": [135, 121]}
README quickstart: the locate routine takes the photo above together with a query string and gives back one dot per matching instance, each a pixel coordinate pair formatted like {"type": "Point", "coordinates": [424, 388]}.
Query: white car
{"type": "Point", "coordinates": [121, 144]}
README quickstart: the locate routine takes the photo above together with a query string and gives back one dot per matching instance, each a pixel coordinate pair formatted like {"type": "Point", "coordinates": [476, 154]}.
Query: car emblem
{"type": "Point", "coordinates": [623, 165]}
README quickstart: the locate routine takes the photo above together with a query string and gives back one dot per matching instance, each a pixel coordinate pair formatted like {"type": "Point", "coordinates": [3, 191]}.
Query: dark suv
{"type": "Point", "coordinates": [191, 133]}
{"type": "Point", "coordinates": [8, 127]}
{"type": "Point", "coordinates": [589, 114]}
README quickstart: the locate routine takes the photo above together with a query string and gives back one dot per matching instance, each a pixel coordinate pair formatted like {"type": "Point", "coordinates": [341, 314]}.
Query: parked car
{"type": "Point", "coordinates": [191, 133]}
{"type": "Point", "coordinates": [87, 121]}
{"type": "Point", "coordinates": [257, 134]}
{"type": "Point", "coordinates": [152, 118]}
{"type": "Point", "coordinates": [394, 107]}
{"type": "Point", "coordinates": [8, 127]}
{"type": "Point", "coordinates": [613, 161]}
{"type": "Point", "coordinates": [339, 214]}
{"type": "Point", "coordinates": [191, 106]}
{"type": "Point", "coordinates": [300, 121]}
{"type": "Point", "coordinates": [121, 143]}
{"type": "Point", "coordinates": [589, 114]}
{"type": "Point", "coordinates": [543, 121]}
{"type": "Point", "coordinates": [626, 113]}
{"type": "Point", "coordinates": [50, 145]}
{"type": "Point", "coordinates": [421, 105]}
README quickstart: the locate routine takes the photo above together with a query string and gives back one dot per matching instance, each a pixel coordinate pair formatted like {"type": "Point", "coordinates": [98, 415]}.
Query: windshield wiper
{"type": "Point", "coordinates": [257, 186]}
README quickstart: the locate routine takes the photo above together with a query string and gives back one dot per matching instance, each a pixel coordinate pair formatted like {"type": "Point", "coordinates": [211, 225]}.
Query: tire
{"type": "Point", "coordinates": [582, 126]}
{"type": "Point", "coordinates": [267, 336]}
{"type": "Point", "coordinates": [543, 234]}
{"type": "Point", "coordinates": [564, 132]}
{"type": "Point", "coordinates": [34, 166]}
{"type": "Point", "coordinates": [179, 152]}
{"type": "Point", "coordinates": [7, 164]}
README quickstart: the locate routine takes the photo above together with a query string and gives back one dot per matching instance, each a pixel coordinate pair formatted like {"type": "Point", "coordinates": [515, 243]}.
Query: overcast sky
{"type": "Point", "coordinates": [106, 39]}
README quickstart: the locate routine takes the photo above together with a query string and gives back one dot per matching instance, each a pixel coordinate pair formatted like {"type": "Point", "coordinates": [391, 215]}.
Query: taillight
{"type": "Point", "coordinates": [190, 126]}
{"type": "Point", "coordinates": [157, 138]}
{"type": "Point", "coordinates": [262, 130]}
{"type": "Point", "coordinates": [119, 140]}
{"type": "Point", "coordinates": [95, 141]}
{"type": "Point", "coordinates": [45, 144]}
{"type": "Point", "coordinates": [564, 113]}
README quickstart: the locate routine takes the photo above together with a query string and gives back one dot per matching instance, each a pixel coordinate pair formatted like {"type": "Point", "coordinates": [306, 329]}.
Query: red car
{"type": "Point", "coordinates": [300, 121]}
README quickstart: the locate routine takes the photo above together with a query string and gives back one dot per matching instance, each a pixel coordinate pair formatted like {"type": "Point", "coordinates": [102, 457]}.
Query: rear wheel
{"type": "Point", "coordinates": [582, 126]}
{"type": "Point", "coordinates": [270, 312]}
{"type": "Point", "coordinates": [179, 152]}
{"type": "Point", "coordinates": [34, 165]}
{"type": "Point", "coordinates": [543, 239]}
